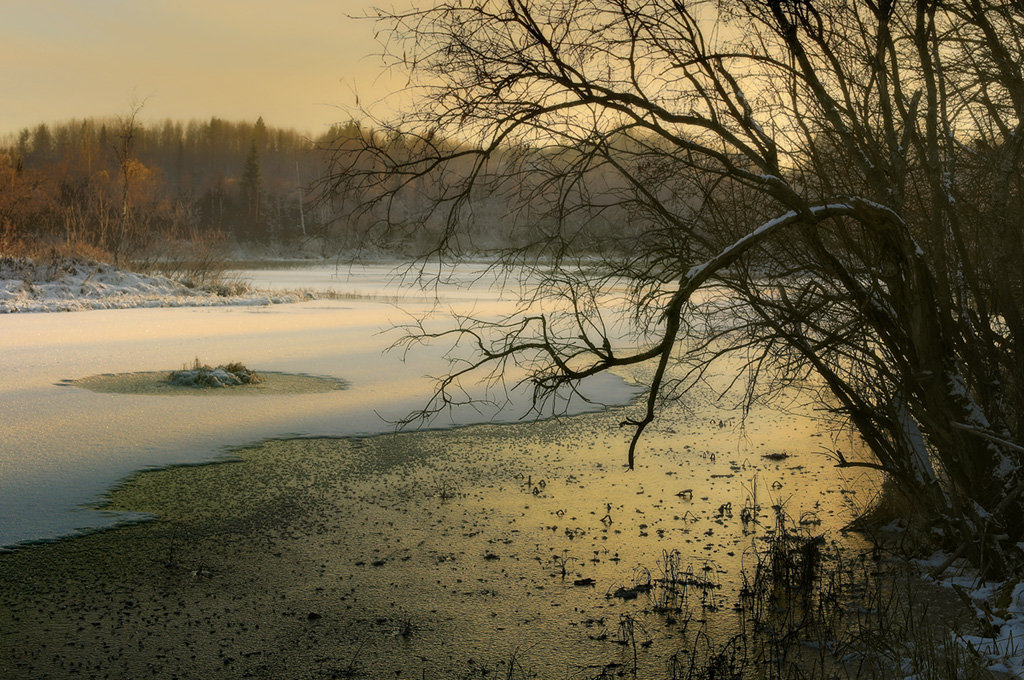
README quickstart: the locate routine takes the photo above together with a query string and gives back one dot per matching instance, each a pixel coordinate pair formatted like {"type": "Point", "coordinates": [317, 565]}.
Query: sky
{"type": "Point", "coordinates": [299, 63]}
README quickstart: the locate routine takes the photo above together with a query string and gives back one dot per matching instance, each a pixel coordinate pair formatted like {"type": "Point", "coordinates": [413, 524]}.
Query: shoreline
{"type": "Point", "coordinates": [431, 551]}
{"type": "Point", "coordinates": [229, 455]}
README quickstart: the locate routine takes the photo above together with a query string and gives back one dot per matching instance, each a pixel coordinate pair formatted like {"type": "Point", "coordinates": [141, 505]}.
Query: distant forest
{"type": "Point", "coordinates": [121, 187]}
{"type": "Point", "coordinates": [116, 188]}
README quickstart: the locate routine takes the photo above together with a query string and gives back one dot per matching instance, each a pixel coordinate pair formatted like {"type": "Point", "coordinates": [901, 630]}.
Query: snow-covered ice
{"type": "Point", "coordinates": [63, 446]}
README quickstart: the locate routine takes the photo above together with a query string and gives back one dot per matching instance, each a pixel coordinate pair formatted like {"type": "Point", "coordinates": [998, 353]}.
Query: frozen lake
{"type": "Point", "coordinates": [62, 447]}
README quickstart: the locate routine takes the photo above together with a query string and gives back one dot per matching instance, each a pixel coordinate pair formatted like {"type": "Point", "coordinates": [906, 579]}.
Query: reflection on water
{"type": "Point", "coordinates": [451, 553]}
{"type": "Point", "coordinates": [535, 542]}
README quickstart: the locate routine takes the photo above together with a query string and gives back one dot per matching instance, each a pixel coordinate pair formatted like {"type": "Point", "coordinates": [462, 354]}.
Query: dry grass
{"type": "Point", "coordinates": [50, 252]}
{"type": "Point", "coordinates": [224, 375]}
{"type": "Point", "coordinates": [198, 260]}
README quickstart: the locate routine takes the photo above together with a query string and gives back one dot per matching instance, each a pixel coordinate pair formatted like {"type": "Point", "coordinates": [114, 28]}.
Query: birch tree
{"type": "Point", "coordinates": [848, 172]}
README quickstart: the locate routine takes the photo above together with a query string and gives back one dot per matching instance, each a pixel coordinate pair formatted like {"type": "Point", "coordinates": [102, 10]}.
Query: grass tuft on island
{"type": "Point", "coordinates": [225, 375]}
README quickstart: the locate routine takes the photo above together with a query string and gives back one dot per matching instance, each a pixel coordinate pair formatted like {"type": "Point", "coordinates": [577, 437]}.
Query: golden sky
{"type": "Point", "coordinates": [298, 63]}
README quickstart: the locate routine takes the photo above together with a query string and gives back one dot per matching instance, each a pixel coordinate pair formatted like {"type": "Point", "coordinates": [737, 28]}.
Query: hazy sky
{"type": "Point", "coordinates": [297, 62]}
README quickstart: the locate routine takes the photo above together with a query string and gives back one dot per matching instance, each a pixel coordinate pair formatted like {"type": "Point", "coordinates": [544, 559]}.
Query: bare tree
{"type": "Point", "coordinates": [124, 150]}
{"type": "Point", "coordinates": [845, 175]}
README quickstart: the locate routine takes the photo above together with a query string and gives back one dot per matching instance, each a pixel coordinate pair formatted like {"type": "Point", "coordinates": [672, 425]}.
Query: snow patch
{"type": "Point", "coordinates": [221, 376]}
{"type": "Point", "coordinates": [72, 285]}
{"type": "Point", "coordinates": [1004, 652]}
{"type": "Point", "coordinates": [820, 211]}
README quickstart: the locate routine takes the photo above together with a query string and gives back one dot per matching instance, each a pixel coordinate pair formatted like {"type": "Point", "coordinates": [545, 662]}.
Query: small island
{"type": "Point", "coordinates": [200, 379]}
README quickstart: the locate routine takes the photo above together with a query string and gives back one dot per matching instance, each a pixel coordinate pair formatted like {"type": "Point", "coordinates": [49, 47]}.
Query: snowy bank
{"type": "Point", "coordinates": [999, 607]}
{"type": "Point", "coordinates": [67, 285]}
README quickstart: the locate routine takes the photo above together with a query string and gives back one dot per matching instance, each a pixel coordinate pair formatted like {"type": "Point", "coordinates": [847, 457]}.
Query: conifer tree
{"type": "Point", "coordinates": [260, 135]}
{"type": "Point", "coordinates": [252, 188]}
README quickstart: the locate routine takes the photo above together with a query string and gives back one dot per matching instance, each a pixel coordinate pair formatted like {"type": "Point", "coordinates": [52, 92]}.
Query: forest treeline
{"type": "Point", "coordinates": [116, 187]}
{"type": "Point", "coordinates": [123, 188]}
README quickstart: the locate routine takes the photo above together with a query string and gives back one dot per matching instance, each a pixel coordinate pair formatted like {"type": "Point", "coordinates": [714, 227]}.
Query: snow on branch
{"type": "Point", "coordinates": [700, 273]}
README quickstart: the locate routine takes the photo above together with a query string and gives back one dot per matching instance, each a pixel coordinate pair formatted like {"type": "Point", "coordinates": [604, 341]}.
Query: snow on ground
{"type": "Point", "coordinates": [1005, 651]}
{"type": "Point", "coordinates": [70, 285]}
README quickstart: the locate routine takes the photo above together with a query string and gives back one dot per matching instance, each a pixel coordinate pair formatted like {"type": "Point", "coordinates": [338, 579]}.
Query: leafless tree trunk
{"type": "Point", "coordinates": [124, 149]}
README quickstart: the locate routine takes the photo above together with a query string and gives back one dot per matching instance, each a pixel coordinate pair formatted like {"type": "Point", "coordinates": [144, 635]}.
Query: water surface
{"type": "Point", "coordinates": [63, 446]}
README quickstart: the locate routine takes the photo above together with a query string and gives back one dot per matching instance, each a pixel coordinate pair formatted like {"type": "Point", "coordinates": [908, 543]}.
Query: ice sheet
{"type": "Point", "coordinates": [61, 447]}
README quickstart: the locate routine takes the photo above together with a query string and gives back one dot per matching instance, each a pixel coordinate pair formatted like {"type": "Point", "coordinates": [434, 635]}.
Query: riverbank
{"type": "Point", "coordinates": [67, 285]}
{"type": "Point", "coordinates": [450, 553]}
{"type": "Point", "coordinates": [72, 284]}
